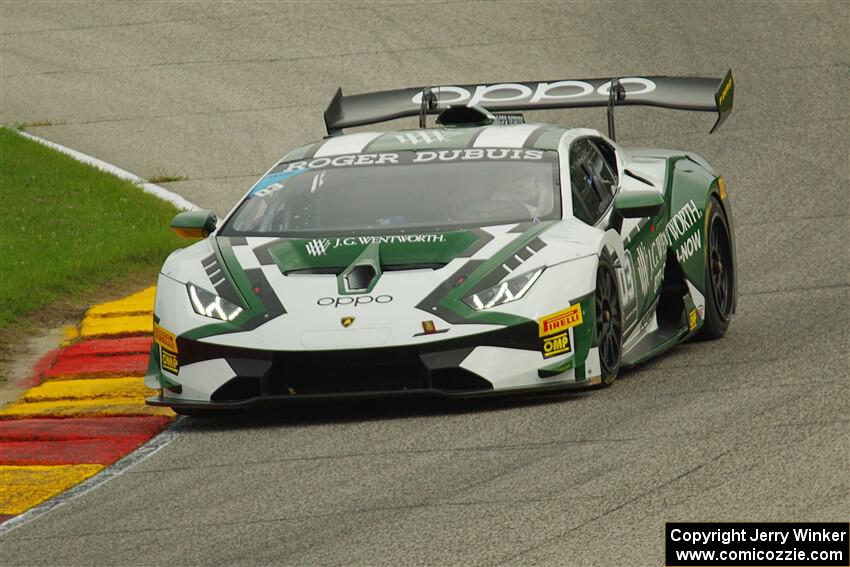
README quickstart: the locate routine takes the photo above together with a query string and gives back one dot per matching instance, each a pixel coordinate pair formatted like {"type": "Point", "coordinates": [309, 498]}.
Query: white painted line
{"type": "Point", "coordinates": [153, 189]}
{"type": "Point", "coordinates": [107, 474]}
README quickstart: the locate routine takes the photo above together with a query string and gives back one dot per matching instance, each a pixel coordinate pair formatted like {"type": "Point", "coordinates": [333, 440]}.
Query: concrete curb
{"type": "Point", "coordinates": [84, 410]}
{"type": "Point", "coordinates": [147, 187]}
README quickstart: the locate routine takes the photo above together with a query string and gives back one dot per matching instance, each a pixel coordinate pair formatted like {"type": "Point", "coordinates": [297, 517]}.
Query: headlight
{"type": "Point", "coordinates": [210, 305]}
{"type": "Point", "coordinates": [505, 292]}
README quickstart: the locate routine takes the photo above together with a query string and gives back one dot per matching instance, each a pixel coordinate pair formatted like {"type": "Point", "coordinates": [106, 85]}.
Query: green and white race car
{"type": "Point", "coordinates": [483, 255]}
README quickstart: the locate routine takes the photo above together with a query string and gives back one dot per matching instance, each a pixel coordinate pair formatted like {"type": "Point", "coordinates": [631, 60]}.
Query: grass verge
{"type": "Point", "coordinates": [68, 230]}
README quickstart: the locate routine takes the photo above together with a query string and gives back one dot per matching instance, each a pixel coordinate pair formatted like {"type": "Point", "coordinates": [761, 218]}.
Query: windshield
{"type": "Point", "coordinates": [396, 192]}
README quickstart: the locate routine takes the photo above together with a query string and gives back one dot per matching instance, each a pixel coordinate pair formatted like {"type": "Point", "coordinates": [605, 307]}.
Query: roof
{"type": "Point", "coordinates": [529, 136]}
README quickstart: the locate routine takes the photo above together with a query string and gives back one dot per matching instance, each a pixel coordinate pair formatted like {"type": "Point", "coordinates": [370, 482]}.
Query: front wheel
{"type": "Point", "coordinates": [719, 275]}
{"type": "Point", "coordinates": [609, 321]}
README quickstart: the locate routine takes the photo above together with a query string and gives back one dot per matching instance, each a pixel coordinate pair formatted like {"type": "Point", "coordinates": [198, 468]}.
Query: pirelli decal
{"type": "Point", "coordinates": [560, 321]}
{"type": "Point", "coordinates": [169, 361]}
{"type": "Point", "coordinates": [168, 353]}
{"type": "Point", "coordinates": [165, 339]}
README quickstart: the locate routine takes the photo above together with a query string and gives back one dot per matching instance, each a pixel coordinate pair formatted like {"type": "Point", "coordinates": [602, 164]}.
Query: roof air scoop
{"type": "Point", "coordinates": [466, 116]}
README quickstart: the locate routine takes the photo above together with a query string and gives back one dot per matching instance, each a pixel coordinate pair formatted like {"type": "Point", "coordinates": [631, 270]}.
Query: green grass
{"type": "Point", "coordinates": [67, 228]}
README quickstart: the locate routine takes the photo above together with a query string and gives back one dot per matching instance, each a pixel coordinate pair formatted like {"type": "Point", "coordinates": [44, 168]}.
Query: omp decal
{"type": "Point", "coordinates": [169, 361]}
{"type": "Point", "coordinates": [692, 319]}
{"type": "Point", "coordinates": [505, 136]}
{"type": "Point", "coordinates": [349, 144]}
{"type": "Point", "coordinates": [165, 338]}
{"type": "Point", "coordinates": [560, 321]}
{"type": "Point", "coordinates": [559, 344]}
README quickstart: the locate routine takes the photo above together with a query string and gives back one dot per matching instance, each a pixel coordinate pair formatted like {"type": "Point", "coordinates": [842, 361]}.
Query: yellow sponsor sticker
{"type": "Point", "coordinates": [560, 321]}
{"type": "Point", "coordinates": [559, 344]}
{"type": "Point", "coordinates": [165, 339]}
{"type": "Point", "coordinates": [692, 319]}
{"type": "Point", "coordinates": [169, 361]}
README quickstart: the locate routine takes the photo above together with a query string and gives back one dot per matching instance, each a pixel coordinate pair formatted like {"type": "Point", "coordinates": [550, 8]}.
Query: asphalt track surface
{"type": "Point", "coordinates": [752, 427]}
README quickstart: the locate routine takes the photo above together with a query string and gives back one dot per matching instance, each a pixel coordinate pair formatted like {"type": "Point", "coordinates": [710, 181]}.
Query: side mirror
{"type": "Point", "coordinates": [194, 224]}
{"type": "Point", "coordinates": [638, 204]}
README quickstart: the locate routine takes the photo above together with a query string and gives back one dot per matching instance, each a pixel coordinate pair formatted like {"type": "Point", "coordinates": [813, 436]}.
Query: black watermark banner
{"type": "Point", "coordinates": [744, 544]}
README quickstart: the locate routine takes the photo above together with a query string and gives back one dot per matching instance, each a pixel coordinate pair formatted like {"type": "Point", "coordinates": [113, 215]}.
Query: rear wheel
{"type": "Point", "coordinates": [609, 321]}
{"type": "Point", "coordinates": [719, 275]}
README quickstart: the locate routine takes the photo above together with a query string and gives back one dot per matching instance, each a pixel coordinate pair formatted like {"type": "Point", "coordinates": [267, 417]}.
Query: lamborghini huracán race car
{"type": "Point", "coordinates": [478, 256]}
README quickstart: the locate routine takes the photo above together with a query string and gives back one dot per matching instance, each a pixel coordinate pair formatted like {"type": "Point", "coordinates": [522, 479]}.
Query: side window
{"type": "Point", "coordinates": [585, 200]}
{"type": "Point", "coordinates": [610, 158]}
{"type": "Point", "coordinates": [592, 179]}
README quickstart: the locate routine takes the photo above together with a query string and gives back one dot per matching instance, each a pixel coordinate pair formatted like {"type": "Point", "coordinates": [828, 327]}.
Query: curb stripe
{"type": "Point", "coordinates": [107, 407]}
{"type": "Point", "coordinates": [87, 389]}
{"type": "Point", "coordinates": [74, 440]}
{"type": "Point", "coordinates": [138, 303]}
{"type": "Point", "coordinates": [40, 369]}
{"type": "Point", "coordinates": [46, 429]}
{"type": "Point", "coordinates": [91, 483]}
{"type": "Point", "coordinates": [121, 325]}
{"type": "Point", "coordinates": [99, 365]}
{"type": "Point", "coordinates": [25, 487]}
{"type": "Point", "coordinates": [107, 347]}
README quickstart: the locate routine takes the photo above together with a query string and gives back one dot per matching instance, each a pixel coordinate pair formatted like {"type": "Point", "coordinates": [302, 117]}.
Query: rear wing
{"type": "Point", "coordinates": [684, 93]}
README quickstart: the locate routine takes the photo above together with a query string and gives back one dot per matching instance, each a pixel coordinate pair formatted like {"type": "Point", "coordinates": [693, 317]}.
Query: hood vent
{"type": "Point", "coordinates": [363, 273]}
{"type": "Point", "coordinates": [359, 278]}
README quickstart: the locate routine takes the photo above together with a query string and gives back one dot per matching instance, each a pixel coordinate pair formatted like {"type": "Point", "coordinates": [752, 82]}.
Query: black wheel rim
{"type": "Point", "coordinates": [720, 267]}
{"type": "Point", "coordinates": [608, 322]}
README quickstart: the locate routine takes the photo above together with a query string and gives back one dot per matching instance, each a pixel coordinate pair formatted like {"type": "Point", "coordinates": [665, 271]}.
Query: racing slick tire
{"type": "Point", "coordinates": [719, 275]}
{"type": "Point", "coordinates": [609, 320]}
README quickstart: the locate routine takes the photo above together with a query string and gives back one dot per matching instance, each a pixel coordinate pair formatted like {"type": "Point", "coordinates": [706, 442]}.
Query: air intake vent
{"type": "Point", "coordinates": [360, 277]}
{"type": "Point", "coordinates": [465, 116]}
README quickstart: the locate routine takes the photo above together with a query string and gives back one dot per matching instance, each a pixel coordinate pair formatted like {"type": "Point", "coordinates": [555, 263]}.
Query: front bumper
{"type": "Point", "coordinates": [223, 377]}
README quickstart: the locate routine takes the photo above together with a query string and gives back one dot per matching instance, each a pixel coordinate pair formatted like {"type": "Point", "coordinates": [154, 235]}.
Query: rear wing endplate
{"type": "Point", "coordinates": [700, 94]}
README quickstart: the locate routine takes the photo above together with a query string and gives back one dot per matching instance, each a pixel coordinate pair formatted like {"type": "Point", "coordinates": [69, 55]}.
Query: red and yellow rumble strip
{"type": "Point", "coordinates": [84, 409]}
